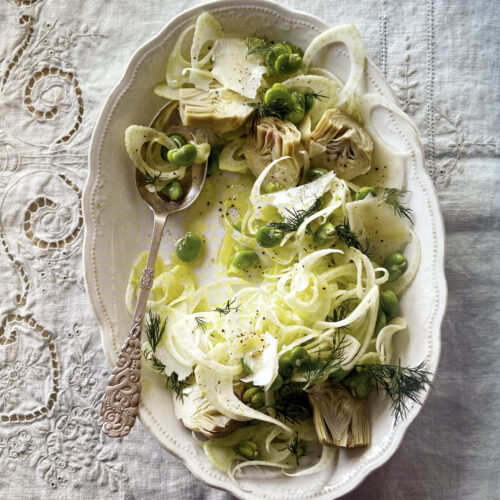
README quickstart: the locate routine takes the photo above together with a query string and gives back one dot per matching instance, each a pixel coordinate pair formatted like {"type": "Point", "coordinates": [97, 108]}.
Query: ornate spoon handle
{"type": "Point", "coordinates": [121, 399]}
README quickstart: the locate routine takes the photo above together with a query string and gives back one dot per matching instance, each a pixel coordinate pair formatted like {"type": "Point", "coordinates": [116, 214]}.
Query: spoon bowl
{"type": "Point", "coordinates": [121, 400]}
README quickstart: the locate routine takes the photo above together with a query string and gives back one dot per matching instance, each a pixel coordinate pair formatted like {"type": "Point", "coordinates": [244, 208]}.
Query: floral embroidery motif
{"type": "Point", "coordinates": [407, 83]}
{"type": "Point", "coordinates": [20, 445]}
{"type": "Point", "coordinates": [460, 146]}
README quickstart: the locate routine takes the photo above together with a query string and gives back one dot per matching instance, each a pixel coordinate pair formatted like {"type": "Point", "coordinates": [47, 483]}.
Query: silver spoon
{"type": "Point", "coordinates": [121, 400]}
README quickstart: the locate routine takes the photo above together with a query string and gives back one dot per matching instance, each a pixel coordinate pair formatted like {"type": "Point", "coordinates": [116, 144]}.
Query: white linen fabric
{"type": "Point", "coordinates": [58, 63]}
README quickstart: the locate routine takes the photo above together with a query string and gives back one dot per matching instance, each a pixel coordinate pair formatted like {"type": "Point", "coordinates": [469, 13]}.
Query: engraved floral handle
{"type": "Point", "coordinates": [121, 399]}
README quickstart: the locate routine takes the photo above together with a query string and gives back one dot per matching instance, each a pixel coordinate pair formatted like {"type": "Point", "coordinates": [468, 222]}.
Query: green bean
{"type": "Point", "coordinates": [278, 93]}
{"type": "Point", "coordinates": [250, 393]}
{"type": "Point", "coordinates": [173, 190]}
{"type": "Point", "coordinates": [248, 449]}
{"type": "Point", "coordinates": [309, 102]}
{"type": "Point", "coordinates": [178, 139]}
{"type": "Point", "coordinates": [395, 264]}
{"type": "Point", "coordinates": [213, 160]}
{"type": "Point", "coordinates": [290, 391]}
{"type": "Point", "coordinates": [272, 187]}
{"type": "Point", "coordinates": [381, 322]}
{"type": "Point", "coordinates": [182, 157]}
{"type": "Point", "coordinates": [285, 366]}
{"type": "Point", "coordinates": [298, 354]}
{"type": "Point", "coordinates": [258, 399]}
{"type": "Point", "coordinates": [363, 192]}
{"type": "Point", "coordinates": [245, 259]}
{"type": "Point", "coordinates": [277, 383]}
{"type": "Point", "coordinates": [389, 303]}
{"type": "Point", "coordinates": [359, 383]}
{"type": "Point", "coordinates": [282, 48]}
{"type": "Point", "coordinates": [164, 153]}
{"type": "Point", "coordinates": [287, 63]}
{"type": "Point", "coordinates": [298, 102]}
{"type": "Point", "coordinates": [316, 173]}
{"type": "Point", "coordinates": [268, 236]}
{"type": "Point", "coordinates": [188, 248]}
{"type": "Point", "coordinates": [324, 233]}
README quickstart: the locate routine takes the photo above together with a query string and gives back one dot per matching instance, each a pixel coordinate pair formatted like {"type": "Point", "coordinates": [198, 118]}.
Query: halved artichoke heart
{"type": "Point", "coordinates": [340, 144]}
{"type": "Point", "coordinates": [273, 139]}
{"type": "Point", "coordinates": [201, 416]}
{"type": "Point", "coordinates": [220, 110]}
{"type": "Point", "coordinates": [340, 419]}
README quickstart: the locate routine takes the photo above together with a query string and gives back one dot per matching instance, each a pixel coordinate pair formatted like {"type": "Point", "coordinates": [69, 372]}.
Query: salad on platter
{"type": "Point", "coordinates": [272, 362]}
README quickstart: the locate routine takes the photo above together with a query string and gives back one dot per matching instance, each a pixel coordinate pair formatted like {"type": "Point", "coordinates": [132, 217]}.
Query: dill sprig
{"type": "Point", "coordinates": [177, 385]}
{"type": "Point", "coordinates": [350, 238]}
{"type": "Point", "coordinates": [201, 323]}
{"type": "Point", "coordinates": [155, 329]}
{"type": "Point", "coordinates": [154, 361]}
{"type": "Point", "coordinates": [391, 197]}
{"type": "Point", "coordinates": [256, 45]}
{"type": "Point", "coordinates": [277, 109]}
{"type": "Point", "coordinates": [297, 448]}
{"type": "Point", "coordinates": [172, 380]}
{"type": "Point", "coordinates": [315, 95]}
{"type": "Point", "coordinates": [227, 308]}
{"type": "Point", "coordinates": [295, 218]}
{"type": "Point", "coordinates": [340, 313]}
{"type": "Point", "coordinates": [154, 333]}
{"type": "Point", "coordinates": [400, 384]}
{"type": "Point", "coordinates": [323, 367]}
{"type": "Point", "coordinates": [146, 179]}
{"type": "Point", "coordinates": [289, 411]}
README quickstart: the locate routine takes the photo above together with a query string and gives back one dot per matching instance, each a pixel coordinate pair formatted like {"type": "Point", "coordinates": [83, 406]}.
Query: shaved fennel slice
{"type": "Point", "coordinates": [375, 220]}
{"type": "Point", "coordinates": [177, 63]}
{"type": "Point", "coordinates": [231, 157]}
{"type": "Point", "coordinates": [388, 167]}
{"type": "Point", "coordinates": [206, 32]}
{"type": "Point", "coordinates": [200, 78]}
{"type": "Point", "coordinates": [235, 68]}
{"type": "Point", "coordinates": [319, 85]}
{"type": "Point", "coordinates": [135, 137]}
{"type": "Point", "coordinates": [219, 391]}
{"type": "Point", "coordinates": [350, 36]}
{"type": "Point", "coordinates": [384, 338]}
{"type": "Point", "coordinates": [327, 456]}
{"type": "Point", "coordinates": [254, 463]}
{"type": "Point", "coordinates": [296, 198]}
{"type": "Point", "coordinates": [313, 70]}
{"type": "Point", "coordinates": [167, 92]}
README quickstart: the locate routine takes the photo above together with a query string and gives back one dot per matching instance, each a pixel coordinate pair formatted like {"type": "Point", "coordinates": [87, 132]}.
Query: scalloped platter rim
{"type": "Point", "coordinates": [110, 247]}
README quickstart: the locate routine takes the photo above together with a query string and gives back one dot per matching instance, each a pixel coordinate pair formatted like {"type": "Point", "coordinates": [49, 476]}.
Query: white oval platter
{"type": "Point", "coordinates": [118, 226]}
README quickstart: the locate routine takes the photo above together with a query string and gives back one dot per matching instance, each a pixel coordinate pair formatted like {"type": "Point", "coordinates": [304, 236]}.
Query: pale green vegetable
{"type": "Point", "coordinates": [218, 109]}
{"type": "Point", "coordinates": [232, 158]}
{"type": "Point", "coordinates": [350, 36]}
{"type": "Point", "coordinates": [207, 31]}
{"type": "Point", "coordinates": [177, 63]}
{"type": "Point", "coordinates": [373, 219]}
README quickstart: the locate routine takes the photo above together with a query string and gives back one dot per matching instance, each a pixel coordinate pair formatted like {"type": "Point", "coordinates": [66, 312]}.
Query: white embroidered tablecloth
{"type": "Point", "coordinates": [58, 62]}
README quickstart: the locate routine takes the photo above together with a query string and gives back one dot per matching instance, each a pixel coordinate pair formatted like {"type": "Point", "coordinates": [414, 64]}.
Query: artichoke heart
{"type": "Point", "coordinates": [199, 415]}
{"type": "Point", "coordinates": [340, 144]}
{"type": "Point", "coordinates": [220, 110]}
{"type": "Point", "coordinates": [273, 139]}
{"type": "Point", "coordinates": [340, 419]}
